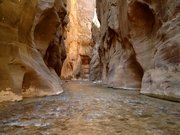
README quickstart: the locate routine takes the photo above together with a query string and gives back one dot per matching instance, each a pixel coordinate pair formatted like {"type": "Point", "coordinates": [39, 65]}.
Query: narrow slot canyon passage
{"type": "Point", "coordinates": [89, 67]}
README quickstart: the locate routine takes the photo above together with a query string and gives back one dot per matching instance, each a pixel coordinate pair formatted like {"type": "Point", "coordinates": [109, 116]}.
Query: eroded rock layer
{"type": "Point", "coordinates": [138, 46]}
{"type": "Point", "coordinates": [78, 45]}
{"type": "Point", "coordinates": [32, 50]}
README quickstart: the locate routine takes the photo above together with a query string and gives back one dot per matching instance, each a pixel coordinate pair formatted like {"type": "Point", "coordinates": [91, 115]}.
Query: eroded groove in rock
{"type": "Point", "coordinates": [138, 46]}
{"type": "Point", "coordinates": [27, 27]}
{"type": "Point", "coordinates": [120, 69]}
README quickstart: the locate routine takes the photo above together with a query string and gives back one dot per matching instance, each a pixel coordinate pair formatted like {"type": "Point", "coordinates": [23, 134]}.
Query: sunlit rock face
{"type": "Point", "coordinates": [138, 46]}
{"type": "Point", "coordinates": [32, 47]}
{"type": "Point", "coordinates": [78, 45]}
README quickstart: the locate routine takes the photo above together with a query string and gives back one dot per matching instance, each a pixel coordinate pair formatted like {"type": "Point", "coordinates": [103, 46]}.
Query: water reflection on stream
{"type": "Point", "coordinates": [90, 109]}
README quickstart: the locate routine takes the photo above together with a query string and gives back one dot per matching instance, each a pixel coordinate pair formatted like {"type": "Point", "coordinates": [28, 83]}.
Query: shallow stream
{"type": "Point", "coordinates": [87, 108]}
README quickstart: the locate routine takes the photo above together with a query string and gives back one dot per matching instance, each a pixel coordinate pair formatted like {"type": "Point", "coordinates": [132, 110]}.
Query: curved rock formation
{"type": "Point", "coordinates": [31, 47]}
{"type": "Point", "coordinates": [138, 46]}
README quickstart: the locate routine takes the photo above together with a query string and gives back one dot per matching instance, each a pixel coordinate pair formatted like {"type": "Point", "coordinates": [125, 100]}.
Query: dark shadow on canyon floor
{"type": "Point", "coordinates": [87, 108]}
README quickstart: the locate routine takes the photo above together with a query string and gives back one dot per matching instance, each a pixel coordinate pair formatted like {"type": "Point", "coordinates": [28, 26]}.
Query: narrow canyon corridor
{"type": "Point", "coordinates": [88, 108]}
{"type": "Point", "coordinates": [89, 67]}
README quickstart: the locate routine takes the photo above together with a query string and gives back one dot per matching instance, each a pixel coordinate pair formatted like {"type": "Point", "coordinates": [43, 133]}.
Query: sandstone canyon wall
{"type": "Point", "coordinates": [78, 45]}
{"type": "Point", "coordinates": [138, 46]}
{"type": "Point", "coordinates": [32, 49]}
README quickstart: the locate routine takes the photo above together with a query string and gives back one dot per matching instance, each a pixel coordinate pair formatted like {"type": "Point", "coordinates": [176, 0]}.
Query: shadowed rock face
{"type": "Point", "coordinates": [32, 47]}
{"type": "Point", "coordinates": [138, 46]}
{"type": "Point", "coordinates": [79, 37]}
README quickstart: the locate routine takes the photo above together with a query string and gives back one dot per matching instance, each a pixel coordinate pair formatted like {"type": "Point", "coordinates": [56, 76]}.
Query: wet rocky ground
{"type": "Point", "coordinates": [87, 108]}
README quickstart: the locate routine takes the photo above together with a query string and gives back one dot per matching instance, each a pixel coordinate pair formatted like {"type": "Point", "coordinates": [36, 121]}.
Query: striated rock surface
{"type": "Point", "coordinates": [32, 47]}
{"type": "Point", "coordinates": [95, 63]}
{"type": "Point", "coordinates": [138, 46]}
{"type": "Point", "coordinates": [78, 45]}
